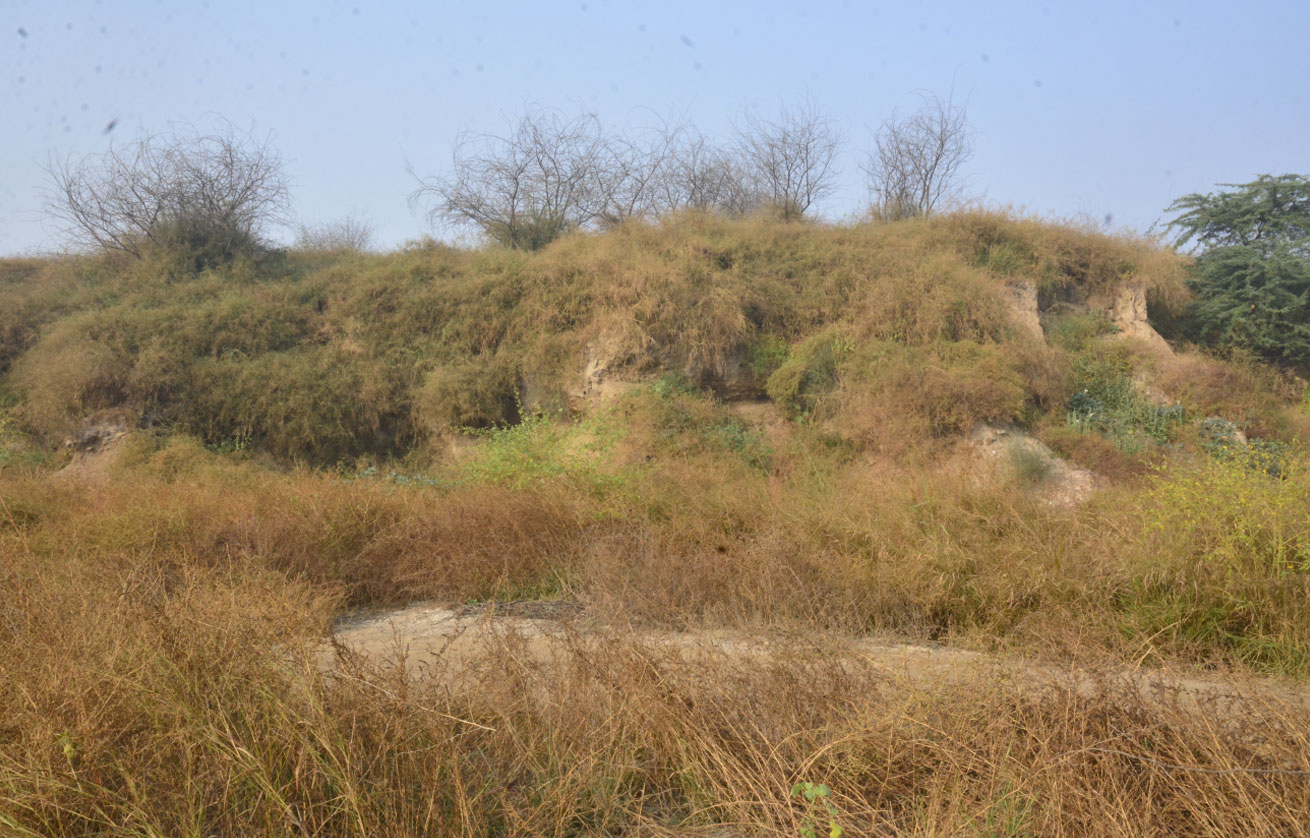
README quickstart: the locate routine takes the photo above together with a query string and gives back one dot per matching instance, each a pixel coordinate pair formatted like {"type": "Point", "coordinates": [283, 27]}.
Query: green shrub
{"type": "Point", "coordinates": [1074, 332]}
{"type": "Point", "coordinates": [541, 448]}
{"type": "Point", "coordinates": [893, 396]}
{"type": "Point", "coordinates": [1224, 563]}
{"type": "Point", "coordinates": [1028, 464]}
{"type": "Point", "coordinates": [1221, 440]}
{"type": "Point", "coordinates": [67, 376]}
{"type": "Point", "coordinates": [767, 354]}
{"type": "Point", "coordinates": [679, 420]}
{"type": "Point", "coordinates": [1107, 401]}
{"type": "Point", "coordinates": [451, 338]}
{"type": "Point", "coordinates": [480, 393]}
{"type": "Point", "coordinates": [809, 373]}
{"type": "Point", "coordinates": [315, 405]}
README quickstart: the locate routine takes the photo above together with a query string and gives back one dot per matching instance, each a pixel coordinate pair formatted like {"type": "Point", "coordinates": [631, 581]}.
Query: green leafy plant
{"type": "Point", "coordinates": [1223, 562]}
{"type": "Point", "coordinates": [1075, 331]}
{"type": "Point", "coordinates": [1010, 816]}
{"type": "Point", "coordinates": [816, 795]}
{"type": "Point", "coordinates": [685, 419]}
{"type": "Point", "coordinates": [1221, 440]}
{"type": "Point", "coordinates": [809, 372]}
{"type": "Point", "coordinates": [1107, 402]}
{"type": "Point", "coordinates": [672, 384]}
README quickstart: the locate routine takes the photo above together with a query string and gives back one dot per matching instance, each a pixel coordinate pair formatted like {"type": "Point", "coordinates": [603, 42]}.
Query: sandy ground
{"type": "Point", "coordinates": [422, 636]}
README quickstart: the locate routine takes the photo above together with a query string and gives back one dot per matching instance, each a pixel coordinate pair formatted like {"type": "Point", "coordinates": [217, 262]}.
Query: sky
{"type": "Point", "coordinates": [1099, 110]}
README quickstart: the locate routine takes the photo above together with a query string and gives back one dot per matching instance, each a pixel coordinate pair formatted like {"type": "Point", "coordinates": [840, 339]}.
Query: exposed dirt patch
{"type": "Point", "coordinates": [1004, 448]}
{"type": "Point", "coordinates": [765, 416]}
{"type": "Point", "coordinates": [99, 431]}
{"type": "Point", "coordinates": [96, 447]}
{"type": "Point", "coordinates": [422, 636]}
{"type": "Point", "coordinates": [531, 609]}
{"type": "Point", "coordinates": [1021, 300]}
{"type": "Point", "coordinates": [610, 369]}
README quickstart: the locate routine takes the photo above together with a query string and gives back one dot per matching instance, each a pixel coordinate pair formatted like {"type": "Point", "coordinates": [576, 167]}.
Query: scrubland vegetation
{"type": "Point", "coordinates": [289, 460]}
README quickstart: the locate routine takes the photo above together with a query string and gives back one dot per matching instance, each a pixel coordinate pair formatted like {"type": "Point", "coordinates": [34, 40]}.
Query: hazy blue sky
{"type": "Point", "coordinates": [1088, 108]}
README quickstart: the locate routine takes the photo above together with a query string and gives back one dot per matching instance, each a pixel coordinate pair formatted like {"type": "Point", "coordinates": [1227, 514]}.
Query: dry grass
{"type": "Point", "coordinates": [159, 636]}
{"type": "Point", "coordinates": [1259, 398]}
{"type": "Point", "coordinates": [670, 511]}
{"type": "Point", "coordinates": [366, 355]}
{"type": "Point", "coordinates": [163, 613]}
{"type": "Point", "coordinates": [206, 711]}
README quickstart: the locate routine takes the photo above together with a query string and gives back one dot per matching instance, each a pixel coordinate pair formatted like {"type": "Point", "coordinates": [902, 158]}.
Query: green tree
{"type": "Point", "coordinates": [1252, 274]}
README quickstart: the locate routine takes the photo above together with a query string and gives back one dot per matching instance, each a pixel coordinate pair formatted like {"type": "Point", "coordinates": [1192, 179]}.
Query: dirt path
{"type": "Point", "coordinates": [419, 635]}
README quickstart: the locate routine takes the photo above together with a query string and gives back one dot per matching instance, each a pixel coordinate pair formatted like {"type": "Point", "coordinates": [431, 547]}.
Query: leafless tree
{"type": "Point", "coordinates": [213, 192]}
{"type": "Point", "coordinates": [550, 175]}
{"type": "Point", "coordinates": [349, 233]}
{"type": "Point", "coordinates": [914, 168]}
{"type": "Point", "coordinates": [703, 176]}
{"type": "Point", "coordinates": [792, 159]}
{"type": "Point", "coordinates": [547, 176]}
{"type": "Point", "coordinates": [637, 171]}
{"type": "Point", "coordinates": [676, 167]}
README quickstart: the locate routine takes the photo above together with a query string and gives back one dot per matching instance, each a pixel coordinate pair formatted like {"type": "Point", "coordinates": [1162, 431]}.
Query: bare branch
{"type": "Point", "coordinates": [639, 173]}
{"type": "Point", "coordinates": [212, 192]}
{"type": "Point", "coordinates": [547, 176]}
{"type": "Point", "coordinates": [915, 165]}
{"type": "Point", "coordinates": [349, 234]}
{"type": "Point", "coordinates": [791, 160]}
{"type": "Point", "coordinates": [706, 177]}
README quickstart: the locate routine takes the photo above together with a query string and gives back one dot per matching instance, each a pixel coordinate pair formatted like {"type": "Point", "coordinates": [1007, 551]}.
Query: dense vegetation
{"type": "Point", "coordinates": [323, 358]}
{"type": "Point", "coordinates": [163, 603]}
{"type": "Point", "coordinates": [1252, 277]}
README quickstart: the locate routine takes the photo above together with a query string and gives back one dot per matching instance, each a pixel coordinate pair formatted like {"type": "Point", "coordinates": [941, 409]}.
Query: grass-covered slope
{"type": "Point", "coordinates": [320, 358]}
{"type": "Point", "coordinates": [164, 602]}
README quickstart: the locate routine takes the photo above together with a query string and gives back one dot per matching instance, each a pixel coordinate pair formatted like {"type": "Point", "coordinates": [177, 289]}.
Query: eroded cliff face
{"type": "Point", "coordinates": [1125, 307]}
{"type": "Point", "coordinates": [611, 368]}
{"type": "Point", "coordinates": [1128, 311]}
{"type": "Point", "coordinates": [1021, 299]}
{"type": "Point", "coordinates": [614, 363]}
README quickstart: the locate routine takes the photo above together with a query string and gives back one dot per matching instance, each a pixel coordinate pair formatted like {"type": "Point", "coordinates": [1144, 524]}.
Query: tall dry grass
{"type": "Point", "coordinates": [200, 705]}
{"type": "Point", "coordinates": [672, 512]}
{"type": "Point", "coordinates": [164, 607]}
{"type": "Point", "coordinates": [162, 622]}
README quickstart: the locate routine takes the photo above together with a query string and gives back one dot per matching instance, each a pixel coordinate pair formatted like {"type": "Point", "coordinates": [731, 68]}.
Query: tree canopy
{"type": "Point", "coordinates": [1252, 273]}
